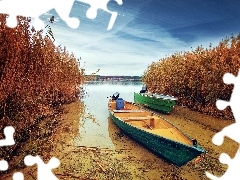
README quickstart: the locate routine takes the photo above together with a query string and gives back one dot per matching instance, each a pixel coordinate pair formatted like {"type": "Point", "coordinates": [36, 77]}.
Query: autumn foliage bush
{"type": "Point", "coordinates": [195, 77]}
{"type": "Point", "coordinates": [36, 76]}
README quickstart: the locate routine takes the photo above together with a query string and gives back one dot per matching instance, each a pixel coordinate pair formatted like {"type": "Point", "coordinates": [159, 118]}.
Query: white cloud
{"type": "Point", "coordinates": [124, 50]}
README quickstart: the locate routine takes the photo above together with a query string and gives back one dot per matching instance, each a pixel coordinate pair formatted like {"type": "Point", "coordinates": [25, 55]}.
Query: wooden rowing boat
{"type": "Point", "coordinates": [154, 132]}
{"type": "Point", "coordinates": [157, 102]}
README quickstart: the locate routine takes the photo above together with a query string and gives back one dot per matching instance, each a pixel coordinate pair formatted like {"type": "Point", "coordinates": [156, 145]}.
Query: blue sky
{"type": "Point", "coordinates": [144, 32]}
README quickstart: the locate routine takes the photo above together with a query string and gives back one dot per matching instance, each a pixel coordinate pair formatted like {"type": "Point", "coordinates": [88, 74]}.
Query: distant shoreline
{"type": "Point", "coordinates": [113, 82]}
{"type": "Point", "coordinates": [112, 78]}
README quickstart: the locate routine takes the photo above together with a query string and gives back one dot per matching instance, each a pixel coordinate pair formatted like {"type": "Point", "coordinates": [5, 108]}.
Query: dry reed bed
{"type": "Point", "coordinates": [195, 77]}
{"type": "Point", "coordinates": [36, 77]}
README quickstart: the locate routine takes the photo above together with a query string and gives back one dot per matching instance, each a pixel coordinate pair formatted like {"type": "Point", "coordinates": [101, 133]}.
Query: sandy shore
{"type": "Point", "coordinates": [128, 160]}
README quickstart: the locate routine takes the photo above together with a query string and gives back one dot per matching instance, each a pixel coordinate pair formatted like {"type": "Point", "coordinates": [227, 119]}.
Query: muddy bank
{"type": "Point", "coordinates": [127, 160]}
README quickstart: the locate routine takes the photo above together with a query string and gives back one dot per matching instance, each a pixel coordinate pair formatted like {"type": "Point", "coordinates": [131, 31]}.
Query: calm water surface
{"type": "Point", "coordinates": [96, 133]}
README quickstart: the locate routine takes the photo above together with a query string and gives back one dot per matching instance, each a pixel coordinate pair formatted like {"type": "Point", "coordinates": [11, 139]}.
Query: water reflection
{"type": "Point", "coordinates": [93, 128]}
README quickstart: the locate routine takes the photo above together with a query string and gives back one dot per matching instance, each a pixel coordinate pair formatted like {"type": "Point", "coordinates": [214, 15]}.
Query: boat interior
{"type": "Point", "coordinates": [148, 121]}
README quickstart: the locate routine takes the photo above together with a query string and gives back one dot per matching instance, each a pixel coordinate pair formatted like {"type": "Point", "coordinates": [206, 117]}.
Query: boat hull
{"type": "Point", "coordinates": [169, 150]}
{"type": "Point", "coordinates": [163, 105]}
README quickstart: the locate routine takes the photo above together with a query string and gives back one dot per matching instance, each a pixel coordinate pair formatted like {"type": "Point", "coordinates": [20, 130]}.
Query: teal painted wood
{"type": "Point", "coordinates": [160, 104]}
{"type": "Point", "coordinates": [171, 151]}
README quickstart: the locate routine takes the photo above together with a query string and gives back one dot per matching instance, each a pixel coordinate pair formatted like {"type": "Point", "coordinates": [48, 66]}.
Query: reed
{"type": "Point", "coordinates": [36, 76]}
{"type": "Point", "coordinates": [195, 76]}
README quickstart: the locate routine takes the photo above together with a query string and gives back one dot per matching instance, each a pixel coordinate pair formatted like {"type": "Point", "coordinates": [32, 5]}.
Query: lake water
{"type": "Point", "coordinates": [95, 133]}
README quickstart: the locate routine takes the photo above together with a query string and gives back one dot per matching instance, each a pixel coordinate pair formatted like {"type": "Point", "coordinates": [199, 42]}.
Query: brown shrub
{"type": "Point", "coordinates": [195, 77]}
{"type": "Point", "coordinates": [35, 75]}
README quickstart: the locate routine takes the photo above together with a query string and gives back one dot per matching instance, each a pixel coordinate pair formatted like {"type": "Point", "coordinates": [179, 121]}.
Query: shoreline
{"type": "Point", "coordinates": [122, 162]}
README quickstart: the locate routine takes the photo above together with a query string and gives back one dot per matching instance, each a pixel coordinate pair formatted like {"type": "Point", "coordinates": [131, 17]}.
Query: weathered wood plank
{"type": "Point", "coordinates": [126, 110]}
{"type": "Point", "coordinates": [137, 118]}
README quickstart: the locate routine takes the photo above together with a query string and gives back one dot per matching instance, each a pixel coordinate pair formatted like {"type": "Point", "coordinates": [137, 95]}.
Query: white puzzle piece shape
{"type": "Point", "coordinates": [3, 165]}
{"type": "Point", "coordinates": [101, 4]}
{"type": "Point", "coordinates": [232, 172]}
{"type": "Point", "coordinates": [232, 131]}
{"type": "Point", "coordinates": [35, 8]}
{"type": "Point", "coordinates": [18, 176]}
{"type": "Point", "coordinates": [44, 170]}
{"type": "Point", "coordinates": [8, 133]}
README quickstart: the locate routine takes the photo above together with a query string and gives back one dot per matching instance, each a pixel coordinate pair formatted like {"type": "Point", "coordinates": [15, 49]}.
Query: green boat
{"type": "Point", "coordinates": [154, 132]}
{"type": "Point", "coordinates": [157, 102]}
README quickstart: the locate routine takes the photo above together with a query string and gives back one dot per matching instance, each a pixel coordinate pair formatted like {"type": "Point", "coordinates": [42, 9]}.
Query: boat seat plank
{"type": "Point", "coordinates": [128, 110]}
{"type": "Point", "coordinates": [139, 118]}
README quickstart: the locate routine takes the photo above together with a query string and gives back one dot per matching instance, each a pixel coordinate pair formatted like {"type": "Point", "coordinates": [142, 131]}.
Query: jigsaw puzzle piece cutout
{"type": "Point", "coordinates": [113, 5]}
{"type": "Point", "coordinates": [233, 167]}
{"type": "Point", "coordinates": [3, 165]}
{"type": "Point", "coordinates": [44, 170]}
{"type": "Point", "coordinates": [35, 8]}
{"type": "Point", "coordinates": [231, 131]}
{"type": "Point", "coordinates": [229, 78]}
{"type": "Point", "coordinates": [221, 104]}
{"type": "Point", "coordinates": [101, 4]}
{"type": "Point", "coordinates": [18, 176]}
{"type": "Point", "coordinates": [25, 8]}
{"type": "Point", "coordinates": [114, 16]}
{"type": "Point", "coordinates": [63, 8]}
{"type": "Point", "coordinates": [8, 133]}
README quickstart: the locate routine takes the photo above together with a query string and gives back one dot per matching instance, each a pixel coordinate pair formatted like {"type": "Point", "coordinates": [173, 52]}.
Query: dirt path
{"type": "Point", "coordinates": [128, 160]}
